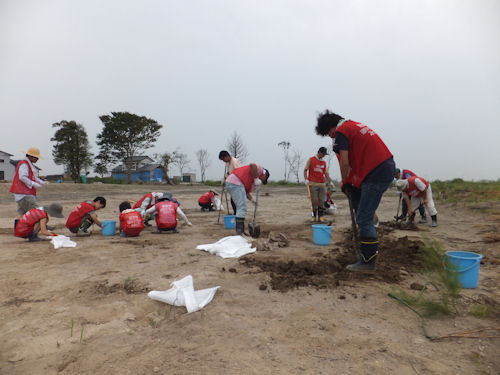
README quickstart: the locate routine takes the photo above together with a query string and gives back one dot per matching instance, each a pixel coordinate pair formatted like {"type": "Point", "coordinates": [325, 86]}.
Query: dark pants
{"type": "Point", "coordinates": [421, 209]}
{"type": "Point", "coordinates": [207, 206]}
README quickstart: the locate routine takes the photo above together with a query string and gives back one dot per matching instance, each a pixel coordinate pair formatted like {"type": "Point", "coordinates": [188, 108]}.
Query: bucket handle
{"type": "Point", "coordinates": [465, 269]}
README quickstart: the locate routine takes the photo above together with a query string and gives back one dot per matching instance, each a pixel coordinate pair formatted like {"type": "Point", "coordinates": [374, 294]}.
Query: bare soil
{"type": "Point", "coordinates": [289, 308]}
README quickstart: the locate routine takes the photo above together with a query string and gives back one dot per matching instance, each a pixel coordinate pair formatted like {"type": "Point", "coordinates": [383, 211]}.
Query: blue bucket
{"type": "Point", "coordinates": [108, 227]}
{"type": "Point", "coordinates": [230, 221]}
{"type": "Point", "coordinates": [322, 234]}
{"type": "Point", "coordinates": [466, 264]}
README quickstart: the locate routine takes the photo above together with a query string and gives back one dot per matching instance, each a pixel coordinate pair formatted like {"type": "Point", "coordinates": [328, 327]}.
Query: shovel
{"type": "Point", "coordinates": [399, 205]}
{"type": "Point", "coordinates": [354, 227]}
{"type": "Point", "coordinates": [253, 228]}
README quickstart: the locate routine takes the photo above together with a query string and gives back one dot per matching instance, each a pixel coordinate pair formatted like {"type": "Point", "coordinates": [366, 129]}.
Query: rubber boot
{"type": "Point", "coordinates": [423, 220]}
{"type": "Point", "coordinates": [313, 217]}
{"type": "Point", "coordinates": [33, 237]}
{"type": "Point", "coordinates": [320, 215]}
{"type": "Point", "coordinates": [411, 219]}
{"type": "Point", "coordinates": [434, 220]}
{"type": "Point", "coordinates": [369, 251]}
{"type": "Point", "coordinates": [240, 225]}
{"type": "Point", "coordinates": [85, 224]}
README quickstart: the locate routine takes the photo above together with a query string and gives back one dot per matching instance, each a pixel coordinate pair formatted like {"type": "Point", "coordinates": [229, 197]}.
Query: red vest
{"type": "Point", "coordinates": [139, 202]}
{"type": "Point", "coordinates": [131, 222]}
{"type": "Point", "coordinates": [412, 190]}
{"type": "Point", "coordinates": [243, 173]}
{"type": "Point", "coordinates": [18, 187]}
{"type": "Point", "coordinates": [75, 216]}
{"type": "Point", "coordinates": [206, 198]}
{"type": "Point", "coordinates": [28, 221]}
{"type": "Point", "coordinates": [366, 150]}
{"type": "Point", "coordinates": [166, 217]}
{"type": "Point", "coordinates": [317, 170]}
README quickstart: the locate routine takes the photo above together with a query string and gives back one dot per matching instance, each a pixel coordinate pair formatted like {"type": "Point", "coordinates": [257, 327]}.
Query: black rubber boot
{"type": "Point", "coordinates": [434, 220]}
{"type": "Point", "coordinates": [85, 224]}
{"type": "Point", "coordinates": [411, 219]}
{"type": "Point", "coordinates": [240, 225]}
{"type": "Point", "coordinates": [369, 251]}
{"type": "Point", "coordinates": [33, 237]}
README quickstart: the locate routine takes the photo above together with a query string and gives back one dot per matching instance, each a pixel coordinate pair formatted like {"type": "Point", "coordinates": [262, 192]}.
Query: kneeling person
{"type": "Point", "coordinates": [207, 200]}
{"type": "Point", "coordinates": [83, 215]}
{"type": "Point", "coordinates": [35, 221]}
{"type": "Point", "coordinates": [166, 215]}
{"type": "Point", "coordinates": [131, 223]}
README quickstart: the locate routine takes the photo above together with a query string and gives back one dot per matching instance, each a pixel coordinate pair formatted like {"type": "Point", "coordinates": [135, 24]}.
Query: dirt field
{"type": "Point", "coordinates": [283, 310]}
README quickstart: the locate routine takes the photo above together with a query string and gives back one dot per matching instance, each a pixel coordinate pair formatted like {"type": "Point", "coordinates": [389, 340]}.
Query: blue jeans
{"type": "Point", "coordinates": [239, 196]}
{"type": "Point", "coordinates": [365, 202]}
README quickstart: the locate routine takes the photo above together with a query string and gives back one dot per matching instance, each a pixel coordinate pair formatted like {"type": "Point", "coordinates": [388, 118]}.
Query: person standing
{"type": "Point", "coordinates": [230, 165]}
{"type": "Point", "coordinates": [367, 169]}
{"type": "Point", "coordinates": [404, 175]}
{"type": "Point", "coordinates": [315, 172]}
{"type": "Point", "coordinates": [240, 184]}
{"type": "Point", "coordinates": [416, 192]}
{"type": "Point", "coordinates": [25, 183]}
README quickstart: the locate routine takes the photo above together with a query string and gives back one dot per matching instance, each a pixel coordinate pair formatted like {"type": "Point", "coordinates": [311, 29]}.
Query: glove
{"type": "Point", "coordinates": [253, 201]}
{"type": "Point", "coordinates": [306, 182]}
{"type": "Point", "coordinates": [347, 189]}
{"type": "Point", "coordinates": [37, 185]}
{"type": "Point", "coordinates": [258, 183]}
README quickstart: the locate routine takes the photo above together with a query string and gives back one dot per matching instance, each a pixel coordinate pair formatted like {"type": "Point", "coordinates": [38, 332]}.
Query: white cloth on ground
{"type": "Point", "coordinates": [229, 247]}
{"type": "Point", "coordinates": [62, 241]}
{"type": "Point", "coordinates": [182, 293]}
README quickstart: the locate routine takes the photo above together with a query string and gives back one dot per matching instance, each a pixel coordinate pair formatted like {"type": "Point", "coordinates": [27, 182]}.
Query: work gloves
{"type": "Point", "coordinates": [347, 189]}
{"type": "Point", "coordinates": [258, 183]}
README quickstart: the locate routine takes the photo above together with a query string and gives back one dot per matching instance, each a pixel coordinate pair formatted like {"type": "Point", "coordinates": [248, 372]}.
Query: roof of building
{"type": "Point", "coordinates": [6, 153]}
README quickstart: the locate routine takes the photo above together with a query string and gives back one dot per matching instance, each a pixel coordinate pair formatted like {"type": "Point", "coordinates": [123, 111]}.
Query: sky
{"type": "Point", "coordinates": [423, 74]}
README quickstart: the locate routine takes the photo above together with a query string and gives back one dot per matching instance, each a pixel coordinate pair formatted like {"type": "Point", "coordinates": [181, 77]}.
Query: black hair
{"type": "Point", "coordinates": [326, 121]}
{"type": "Point", "coordinates": [223, 154]}
{"type": "Point", "coordinates": [102, 200]}
{"type": "Point", "coordinates": [124, 206]}
{"type": "Point", "coordinates": [267, 174]}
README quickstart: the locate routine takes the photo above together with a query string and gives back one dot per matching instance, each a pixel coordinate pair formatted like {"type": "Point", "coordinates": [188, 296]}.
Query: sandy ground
{"type": "Point", "coordinates": [85, 310]}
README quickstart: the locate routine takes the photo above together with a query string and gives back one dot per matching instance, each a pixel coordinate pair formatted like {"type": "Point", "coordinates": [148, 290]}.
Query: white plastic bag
{"type": "Point", "coordinates": [61, 241]}
{"type": "Point", "coordinates": [217, 204]}
{"type": "Point", "coordinates": [182, 293]}
{"type": "Point", "coordinates": [229, 247]}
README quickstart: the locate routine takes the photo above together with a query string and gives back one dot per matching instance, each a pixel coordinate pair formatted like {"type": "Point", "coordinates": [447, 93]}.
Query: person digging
{"type": "Point", "coordinates": [367, 169]}
{"type": "Point", "coordinates": [417, 191]}
{"type": "Point", "coordinates": [35, 221]}
{"type": "Point", "coordinates": [240, 184]}
{"type": "Point", "coordinates": [404, 175]}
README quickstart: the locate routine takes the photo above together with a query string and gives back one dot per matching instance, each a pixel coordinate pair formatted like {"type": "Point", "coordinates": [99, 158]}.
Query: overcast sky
{"type": "Point", "coordinates": [424, 74]}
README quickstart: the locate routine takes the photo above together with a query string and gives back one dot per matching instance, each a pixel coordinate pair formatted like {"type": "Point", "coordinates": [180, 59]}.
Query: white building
{"type": "Point", "coordinates": [7, 167]}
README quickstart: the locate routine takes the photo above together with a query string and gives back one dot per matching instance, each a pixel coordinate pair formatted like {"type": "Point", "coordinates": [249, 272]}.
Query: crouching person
{"type": "Point", "coordinates": [35, 221]}
{"type": "Point", "coordinates": [131, 223]}
{"type": "Point", "coordinates": [416, 192]}
{"type": "Point", "coordinates": [83, 215]}
{"type": "Point", "coordinates": [207, 200]}
{"type": "Point", "coordinates": [166, 211]}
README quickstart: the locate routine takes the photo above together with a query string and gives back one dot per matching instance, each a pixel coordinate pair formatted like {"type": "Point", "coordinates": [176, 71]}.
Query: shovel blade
{"type": "Point", "coordinates": [254, 230]}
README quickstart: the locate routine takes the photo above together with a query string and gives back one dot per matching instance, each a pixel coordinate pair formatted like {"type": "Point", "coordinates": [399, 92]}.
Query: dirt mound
{"type": "Point", "coordinates": [397, 259]}
{"type": "Point", "coordinates": [129, 286]}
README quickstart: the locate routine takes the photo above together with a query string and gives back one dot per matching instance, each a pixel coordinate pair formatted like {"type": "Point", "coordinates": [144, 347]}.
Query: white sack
{"type": "Point", "coordinates": [218, 204]}
{"type": "Point", "coordinates": [229, 247]}
{"type": "Point", "coordinates": [61, 241]}
{"type": "Point", "coordinates": [182, 293]}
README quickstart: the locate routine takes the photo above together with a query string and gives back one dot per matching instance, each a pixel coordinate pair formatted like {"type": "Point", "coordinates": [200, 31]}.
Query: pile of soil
{"type": "Point", "coordinates": [397, 258]}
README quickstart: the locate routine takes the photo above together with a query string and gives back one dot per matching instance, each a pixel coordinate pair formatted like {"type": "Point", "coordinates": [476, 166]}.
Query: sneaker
{"type": "Point", "coordinates": [422, 220]}
{"type": "Point", "coordinates": [361, 266]}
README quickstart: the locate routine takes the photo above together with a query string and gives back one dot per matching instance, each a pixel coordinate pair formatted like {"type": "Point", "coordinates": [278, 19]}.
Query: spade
{"type": "Point", "coordinates": [253, 228]}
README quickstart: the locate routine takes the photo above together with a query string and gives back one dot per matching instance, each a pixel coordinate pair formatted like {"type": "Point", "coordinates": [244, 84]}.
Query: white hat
{"type": "Point", "coordinates": [402, 185]}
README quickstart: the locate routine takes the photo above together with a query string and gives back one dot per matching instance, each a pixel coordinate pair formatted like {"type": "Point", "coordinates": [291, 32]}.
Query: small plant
{"type": "Point", "coordinates": [153, 323]}
{"type": "Point", "coordinates": [483, 311]}
{"type": "Point", "coordinates": [72, 326]}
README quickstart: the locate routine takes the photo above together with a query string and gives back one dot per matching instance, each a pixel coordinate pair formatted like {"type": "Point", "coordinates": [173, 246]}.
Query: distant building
{"type": "Point", "coordinates": [8, 166]}
{"type": "Point", "coordinates": [143, 169]}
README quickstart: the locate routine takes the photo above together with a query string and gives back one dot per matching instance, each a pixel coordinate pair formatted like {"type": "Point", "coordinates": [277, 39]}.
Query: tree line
{"type": "Point", "coordinates": [124, 135]}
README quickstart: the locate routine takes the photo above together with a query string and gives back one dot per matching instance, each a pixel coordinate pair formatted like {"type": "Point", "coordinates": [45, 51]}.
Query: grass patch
{"type": "Point", "coordinates": [483, 311]}
{"type": "Point", "coordinates": [458, 190]}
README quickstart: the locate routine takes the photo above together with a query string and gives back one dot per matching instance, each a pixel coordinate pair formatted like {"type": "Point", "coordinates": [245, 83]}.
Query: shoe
{"type": "Point", "coordinates": [146, 223]}
{"type": "Point", "coordinates": [401, 217]}
{"type": "Point", "coordinates": [362, 266]}
{"type": "Point", "coordinates": [422, 220]}
{"type": "Point", "coordinates": [321, 219]}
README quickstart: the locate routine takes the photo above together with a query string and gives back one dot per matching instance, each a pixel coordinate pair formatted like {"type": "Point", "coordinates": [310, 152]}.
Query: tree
{"type": "Point", "coordinates": [101, 169]}
{"type": "Point", "coordinates": [295, 163]}
{"type": "Point", "coordinates": [204, 162]}
{"type": "Point", "coordinates": [286, 146]}
{"type": "Point", "coordinates": [181, 160]}
{"type": "Point", "coordinates": [165, 160]}
{"type": "Point", "coordinates": [124, 136]}
{"type": "Point", "coordinates": [72, 148]}
{"type": "Point", "coordinates": [237, 148]}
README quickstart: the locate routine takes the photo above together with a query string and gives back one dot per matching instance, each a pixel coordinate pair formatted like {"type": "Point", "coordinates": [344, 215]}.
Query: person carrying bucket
{"type": "Point", "coordinates": [83, 215]}
{"type": "Point", "coordinates": [35, 221]}
{"type": "Point", "coordinates": [416, 192]}
{"type": "Point", "coordinates": [315, 173]}
{"type": "Point", "coordinates": [367, 169]}
{"type": "Point", "coordinates": [131, 222]}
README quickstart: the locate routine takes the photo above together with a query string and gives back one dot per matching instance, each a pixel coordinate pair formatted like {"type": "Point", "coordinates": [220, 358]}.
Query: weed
{"type": "Point", "coordinates": [483, 311]}
{"type": "Point", "coordinates": [72, 326]}
{"type": "Point", "coordinates": [153, 323]}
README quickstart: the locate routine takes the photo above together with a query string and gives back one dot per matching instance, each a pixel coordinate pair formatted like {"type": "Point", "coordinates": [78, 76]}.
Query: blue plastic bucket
{"type": "Point", "coordinates": [466, 265]}
{"type": "Point", "coordinates": [322, 234]}
{"type": "Point", "coordinates": [108, 227]}
{"type": "Point", "coordinates": [230, 221]}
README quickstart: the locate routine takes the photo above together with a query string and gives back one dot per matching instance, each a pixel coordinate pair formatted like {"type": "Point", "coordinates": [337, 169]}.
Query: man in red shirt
{"type": "Point", "coordinates": [83, 215]}
{"type": "Point", "coordinates": [367, 168]}
{"type": "Point", "coordinates": [417, 192]}
{"type": "Point", "coordinates": [315, 173]}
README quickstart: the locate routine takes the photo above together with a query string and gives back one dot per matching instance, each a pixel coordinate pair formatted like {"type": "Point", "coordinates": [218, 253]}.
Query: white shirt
{"type": "Point", "coordinates": [23, 174]}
